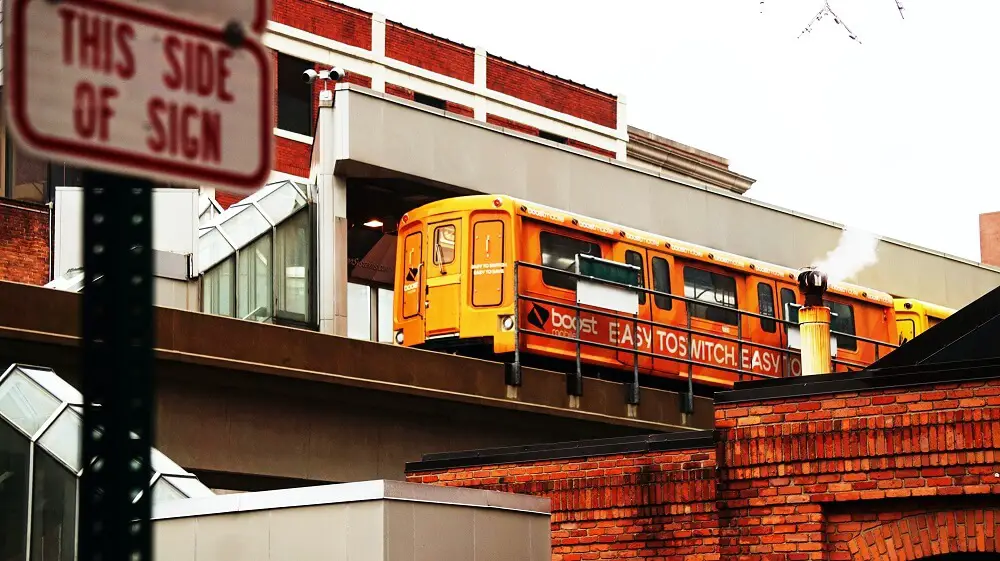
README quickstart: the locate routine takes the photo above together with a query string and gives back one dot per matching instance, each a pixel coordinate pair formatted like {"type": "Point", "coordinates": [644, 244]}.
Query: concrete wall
{"type": "Point", "coordinates": [368, 521]}
{"type": "Point", "coordinates": [385, 136]}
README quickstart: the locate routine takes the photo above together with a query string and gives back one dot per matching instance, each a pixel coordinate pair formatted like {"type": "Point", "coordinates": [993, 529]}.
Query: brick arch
{"type": "Point", "coordinates": [926, 535]}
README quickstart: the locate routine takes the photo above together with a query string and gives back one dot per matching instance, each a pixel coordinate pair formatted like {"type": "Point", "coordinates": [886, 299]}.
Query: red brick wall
{"type": "Point", "coordinates": [326, 19]}
{"type": "Point", "coordinates": [428, 52]}
{"type": "Point", "coordinates": [405, 93]}
{"type": "Point", "coordinates": [594, 149]}
{"type": "Point", "coordinates": [292, 157]}
{"type": "Point", "coordinates": [548, 91]}
{"type": "Point", "coordinates": [527, 129]}
{"type": "Point", "coordinates": [989, 238]}
{"type": "Point", "coordinates": [658, 505]}
{"type": "Point", "coordinates": [855, 475]}
{"type": "Point", "coordinates": [513, 125]}
{"type": "Point", "coordinates": [24, 242]}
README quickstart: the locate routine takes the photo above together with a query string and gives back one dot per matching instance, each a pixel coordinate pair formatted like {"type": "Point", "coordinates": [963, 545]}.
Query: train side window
{"type": "Point", "coordinates": [444, 244]}
{"type": "Point", "coordinates": [714, 288]}
{"type": "Point", "coordinates": [765, 303]}
{"type": "Point", "coordinates": [661, 283]}
{"type": "Point", "coordinates": [842, 321]}
{"type": "Point", "coordinates": [634, 258]}
{"type": "Point", "coordinates": [559, 252]}
{"type": "Point", "coordinates": [789, 305]}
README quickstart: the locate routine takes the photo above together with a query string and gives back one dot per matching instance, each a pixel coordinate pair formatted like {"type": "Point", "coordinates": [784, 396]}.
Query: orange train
{"type": "Point", "coordinates": [703, 314]}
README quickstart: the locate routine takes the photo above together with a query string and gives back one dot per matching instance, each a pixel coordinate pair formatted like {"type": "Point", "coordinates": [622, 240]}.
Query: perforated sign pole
{"type": "Point", "coordinates": [118, 390]}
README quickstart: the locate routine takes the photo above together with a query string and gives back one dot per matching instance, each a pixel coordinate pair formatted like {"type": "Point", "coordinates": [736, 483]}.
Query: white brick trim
{"type": "Point", "coordinates": [304, 139]}
{"type": "Point", "coordinates": [382, 69]}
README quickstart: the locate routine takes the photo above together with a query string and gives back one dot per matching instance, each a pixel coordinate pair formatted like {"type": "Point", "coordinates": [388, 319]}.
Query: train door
{"type": "Point", "coordinates": [665, 311]}
{"type": "Point", "coordinates": [761, 357]}
{"type": "Point", "coordinates": [413, 275]}
{"type": "Point", "coordinates": [443, 278]}
{"type": "Point", "coordinates": [631, 333]}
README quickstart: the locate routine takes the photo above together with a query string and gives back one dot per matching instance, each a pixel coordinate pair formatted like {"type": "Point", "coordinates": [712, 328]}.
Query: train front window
{"type": "Point", "coordinates": [789, 305]}
{"type": "Point", "coordinates": [842, 321]}
{"type": "Point", "coordinates": [765, 303]}
{"type": "Point", "coordinates": [444, 244]}
{"type": "Point", "coordinates": [661, 283]}
{"type": "Point", "coordinates": [633, 258]}
{"type": "Point", "coordinates": [715, 289]}
{"type": "Point", "coordinates": [559, 252]}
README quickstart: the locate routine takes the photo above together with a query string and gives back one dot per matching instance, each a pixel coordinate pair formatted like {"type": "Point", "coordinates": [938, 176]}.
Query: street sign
{"type": "Point", "coordinates": [251, 14]}
{"type": "Point", "coordinates": [113, 86]}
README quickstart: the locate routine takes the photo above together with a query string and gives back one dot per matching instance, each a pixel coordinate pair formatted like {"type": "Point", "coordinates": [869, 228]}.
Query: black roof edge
{"type": "Point", "coordinates": [960, 324]}
{"type": "Point", "coordinates": [883, 378]}
{"type": "Point", "coordinates": [564, 450]}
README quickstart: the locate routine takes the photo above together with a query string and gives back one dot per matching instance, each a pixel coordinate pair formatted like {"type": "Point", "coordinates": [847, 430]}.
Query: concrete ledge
{"type": "Point", "coordinates": [50, 317]}
{"type": "Point", "coordinates": [349, 493]}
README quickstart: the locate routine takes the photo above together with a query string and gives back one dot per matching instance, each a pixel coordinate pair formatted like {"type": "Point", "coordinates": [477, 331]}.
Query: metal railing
{"type": "Point", "coordinates": [575, 381]}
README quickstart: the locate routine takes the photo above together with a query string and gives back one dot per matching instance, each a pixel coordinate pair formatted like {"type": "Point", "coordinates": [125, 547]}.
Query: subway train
{"type": "Point", "coordinates": [502, 278]}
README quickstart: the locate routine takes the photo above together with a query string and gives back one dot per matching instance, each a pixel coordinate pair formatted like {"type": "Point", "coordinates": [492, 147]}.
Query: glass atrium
{"type": "Point", "coordinates": [256, 258]}
{"type": "Point", "coordinates": [40, 466]}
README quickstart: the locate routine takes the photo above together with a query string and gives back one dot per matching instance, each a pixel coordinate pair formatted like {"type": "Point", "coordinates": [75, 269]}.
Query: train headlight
{"type": "Point", "coordinates": [507, 323]}
{"type": "Point", "coordinates": [399, 337]}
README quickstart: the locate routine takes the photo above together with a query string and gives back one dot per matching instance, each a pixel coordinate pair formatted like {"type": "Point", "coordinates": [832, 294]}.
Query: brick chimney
{"type": "Point", "coordinates": [989, 238]}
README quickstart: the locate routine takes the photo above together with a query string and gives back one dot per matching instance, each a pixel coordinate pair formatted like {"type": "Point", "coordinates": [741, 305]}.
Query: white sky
{"type": "Point", "coordinates": [896, 135]}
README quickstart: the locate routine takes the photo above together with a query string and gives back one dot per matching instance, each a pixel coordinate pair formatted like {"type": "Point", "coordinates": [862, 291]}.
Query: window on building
{"type": "Point", "coordinates": [842, 321]}
{"type": "Point", "coordinates": [661, 283]}
{"type": "Point", "coordinates": [559, 252]}
{"type": "Point", "coordinates": [292, 270]}
{"type": "Point", "coordinates": [634, 258]}
{"type": "Point", "coordinates": [15, 451]}
{"type": "Point", "coordinates": [714, 288]}
{"type": "Point", "coordinates": [294, 95]}
{"type": "Point", "coordinates": [53, 523]}
{"type": "Point", "coordinates": [217, 295]}
{"type": "Point", "coordinates": [553, 137]}
{"type": "Point", "coordinates": [253, 282]}
{"type": "Point", "coordinates": [765, 303]}
{"type": "Point", "coordinates": [430, 101]}
{"type": "Point", "coordinates": [25, 177]}
{"type": "Point", "coordinates": [359, 311]}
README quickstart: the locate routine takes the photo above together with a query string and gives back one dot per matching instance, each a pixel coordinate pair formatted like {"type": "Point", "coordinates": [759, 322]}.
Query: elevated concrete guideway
{"type": "Point", "coordinates": [377, 135]}
{"type": "Point", "coordinates": [243, 399]}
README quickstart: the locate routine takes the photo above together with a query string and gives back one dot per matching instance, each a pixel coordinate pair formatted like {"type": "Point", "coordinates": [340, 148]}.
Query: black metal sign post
{"type": "Point", "coordinates": [118, 332]}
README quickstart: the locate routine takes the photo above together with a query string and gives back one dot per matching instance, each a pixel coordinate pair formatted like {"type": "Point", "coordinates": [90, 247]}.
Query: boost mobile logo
{"type": "Point", "coordinates": [538, 316]}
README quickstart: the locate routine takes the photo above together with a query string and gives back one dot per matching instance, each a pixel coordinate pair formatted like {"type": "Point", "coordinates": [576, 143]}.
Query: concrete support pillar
{"type": "Point", "coordinates": [331, 227]}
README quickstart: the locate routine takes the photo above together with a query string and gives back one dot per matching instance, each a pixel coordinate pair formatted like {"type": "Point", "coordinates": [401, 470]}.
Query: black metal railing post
{"type": "Point", "coordinates": [633, 390]}
{"type": "Point", "coordinates": [574, 383]}
{"type": "Point", "coordinates": [513, 374]}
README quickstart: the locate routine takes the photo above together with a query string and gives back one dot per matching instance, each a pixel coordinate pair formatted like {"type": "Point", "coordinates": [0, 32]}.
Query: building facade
{"type": "Point", "coordinates": [419, 118]}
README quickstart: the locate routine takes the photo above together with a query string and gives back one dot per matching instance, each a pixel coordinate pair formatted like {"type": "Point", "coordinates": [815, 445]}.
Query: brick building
{"type": "Point", "coordinates": [420, 118]}
{"type": "Point", "coordinates": [897, 462]}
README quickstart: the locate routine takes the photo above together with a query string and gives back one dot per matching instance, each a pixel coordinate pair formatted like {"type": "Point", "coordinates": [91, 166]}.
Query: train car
{"type": "Point", "coordinates": [485, 273]}
{"type": "Point", "coordinates": [913, 317]}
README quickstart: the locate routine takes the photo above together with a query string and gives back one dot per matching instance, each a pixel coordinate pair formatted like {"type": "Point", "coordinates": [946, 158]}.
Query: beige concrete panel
{"type": "Point", "coordinates": [475, 157]}
{"type": "Point", "coordinates": [400, 528]}
{"type": "Point", "coordinates": [310, 533]}
{"type": "Point", "coordinates": [442, 532]}
{"type": "Point", "coordinates": [493, 532]}
{"type": "Point", "coordinates": [366, 531]}
{"type": "Point", "coordinates": [239, 537]}
{"type": "Point", "coordinates": [175, 539]}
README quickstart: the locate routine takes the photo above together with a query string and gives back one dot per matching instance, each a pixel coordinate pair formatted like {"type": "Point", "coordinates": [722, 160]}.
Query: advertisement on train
{"type": "Point", "coordinates": [599, 332]}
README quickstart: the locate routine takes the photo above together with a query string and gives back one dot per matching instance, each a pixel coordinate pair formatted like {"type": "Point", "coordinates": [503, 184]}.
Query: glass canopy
{"type": "Point", "coordinates": [40, 466]}
{"type": "Point", "coordinates": [247, 220]}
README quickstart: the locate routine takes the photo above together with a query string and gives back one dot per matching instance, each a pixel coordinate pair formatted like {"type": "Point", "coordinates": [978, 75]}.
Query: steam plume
{"type": "Point", "coordinates": [854, 252]}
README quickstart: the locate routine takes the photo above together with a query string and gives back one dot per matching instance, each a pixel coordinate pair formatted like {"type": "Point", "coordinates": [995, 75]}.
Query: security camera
{"type": "Point", "coordinates": [336, 74]}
